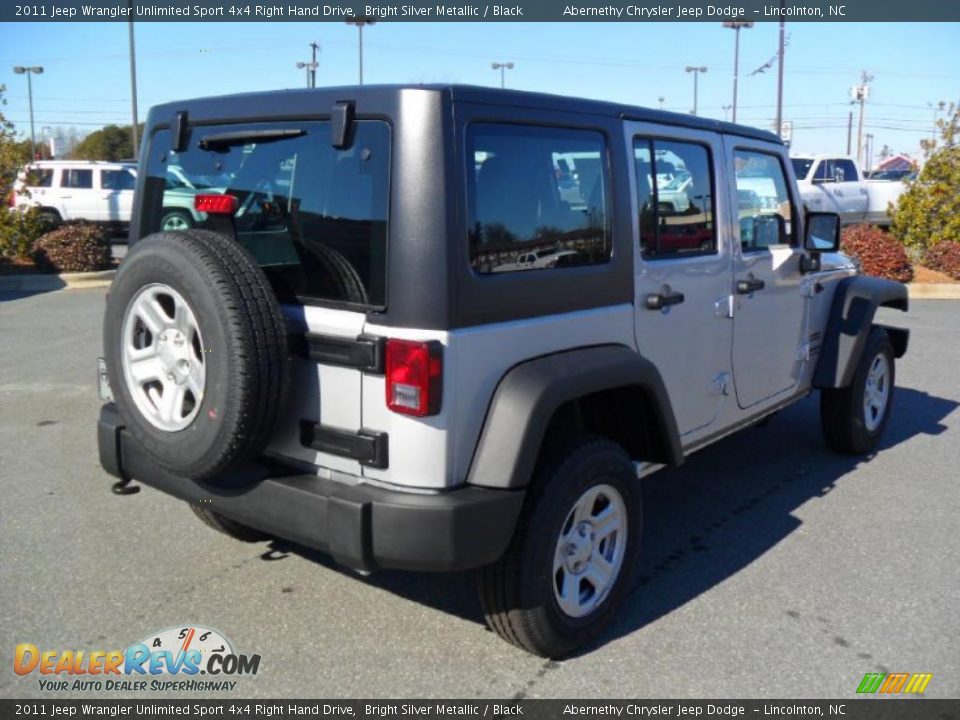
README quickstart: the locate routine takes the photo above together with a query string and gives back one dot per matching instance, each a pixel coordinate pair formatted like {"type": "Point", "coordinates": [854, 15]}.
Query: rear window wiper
{"type": "Point", "coordinates": [241, 137]}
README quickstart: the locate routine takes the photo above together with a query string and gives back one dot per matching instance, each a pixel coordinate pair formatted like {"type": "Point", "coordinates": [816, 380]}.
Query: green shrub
{"type": "Point", "coordinates": [73, 247]}
{"type": "Point", "coordinates": [878, 252]}
{"type": "Point", "coordinates": [944, 257]}
{"type": "Point", "coordinates": [928, 212]}
{"type": "Point", "coordinates": [19, 229]}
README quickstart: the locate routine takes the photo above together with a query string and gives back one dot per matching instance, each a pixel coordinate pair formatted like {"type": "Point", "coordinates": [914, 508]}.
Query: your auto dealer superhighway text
{"type": "Point", "coordinates": [658, 11]}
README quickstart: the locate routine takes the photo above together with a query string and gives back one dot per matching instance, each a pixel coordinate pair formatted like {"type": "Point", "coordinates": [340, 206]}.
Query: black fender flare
{"type": "Point", "coordinates": [855, 303]}
{"type": "Point", "coordinates": [530, 393]}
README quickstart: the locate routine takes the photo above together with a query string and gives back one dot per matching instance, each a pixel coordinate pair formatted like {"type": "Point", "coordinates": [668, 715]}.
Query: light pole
{"type": "Point", "coordinates": [502, 67]}
{"type": "Point", "coordinates": [133, 81]}
{"type": "Point", "coordinates": [696, 70]}
{"type": "Point", "coordinates": [311, 68]}
{"type": "Point", "coordinates": [360, 22]}
{"type": "Point", "coordinates": [28, 71]}
{"type": "Point", "coordinates": [736, 26]}
{"type": "Point", "coordinates": [661, 99]}
{"type": "Point", "coordinates": [726, 109]}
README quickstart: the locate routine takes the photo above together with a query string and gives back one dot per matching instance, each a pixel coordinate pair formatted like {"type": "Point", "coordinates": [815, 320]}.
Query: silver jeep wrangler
{"type": "Point", "coordinates": [446, 327]}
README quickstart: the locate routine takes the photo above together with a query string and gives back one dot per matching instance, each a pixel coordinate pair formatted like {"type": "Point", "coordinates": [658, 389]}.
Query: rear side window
{"type": "Point", "coordinates": [117, 180]}
{"type": "Point", "coordinates": [538, 198]}
{"type": "Point", "coordinates": [313, 216]}
{"type": "Point", "coordinates": [77, 178]}
{"type": "Point", "coordinates": [39, 177]}
{"type": "Point", "coordinates": [675, 198]}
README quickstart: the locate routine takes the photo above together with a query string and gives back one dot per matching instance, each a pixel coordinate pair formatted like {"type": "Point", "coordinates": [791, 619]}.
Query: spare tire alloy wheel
{"type": "Point", "coordinates": [590, 551]}
{"type": "Point", "coordinates": [163, 364]}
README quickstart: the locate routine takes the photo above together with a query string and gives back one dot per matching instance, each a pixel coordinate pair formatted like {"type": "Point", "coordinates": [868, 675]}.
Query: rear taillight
{"type": "Point", "coordinates": [215, 204]}
{"type": "Point", "coordinates": [414, 377]}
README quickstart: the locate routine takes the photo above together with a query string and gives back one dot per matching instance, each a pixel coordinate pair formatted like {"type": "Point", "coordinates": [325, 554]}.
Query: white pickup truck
{"type": "Point", "coordinates": [831, 183]}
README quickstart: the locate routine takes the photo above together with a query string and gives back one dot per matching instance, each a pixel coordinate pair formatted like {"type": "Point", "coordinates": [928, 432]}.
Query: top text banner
{"type": "Point", "coordinates": [479, 11]}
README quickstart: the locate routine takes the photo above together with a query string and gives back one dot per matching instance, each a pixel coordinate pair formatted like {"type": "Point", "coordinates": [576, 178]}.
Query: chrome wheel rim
{"type": "Point", "coordinates": [876, 393]}
{"type": "Point", "coordinates": [590, 550]}
{"type": "Point", "coordinates": [174, 222]}
{"type": "Point", "coordinates": [162, 357]}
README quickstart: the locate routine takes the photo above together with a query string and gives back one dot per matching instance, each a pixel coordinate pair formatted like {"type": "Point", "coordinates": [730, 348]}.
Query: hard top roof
{"type": "Point", "coordinates": [210, 108]}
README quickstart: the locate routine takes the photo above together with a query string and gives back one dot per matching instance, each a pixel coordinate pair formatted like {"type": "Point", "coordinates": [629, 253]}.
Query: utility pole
{"type": "Point", "coordinates": [868, 156]}
{"type": "Point", "coordinates": [133, 82]}
{"type": "Point", "coordinates": [780, 74]}
{"type": "Point", "coordinates": [862, 92]}
{"type": "Point", "coordinates": [849, 130]}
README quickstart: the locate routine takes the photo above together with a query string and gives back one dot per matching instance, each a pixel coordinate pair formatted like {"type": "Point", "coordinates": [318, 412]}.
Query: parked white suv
{"type": "Point", "coordinates": [100, 192]}
{"type": "Point", "coordinates": [361, 348]}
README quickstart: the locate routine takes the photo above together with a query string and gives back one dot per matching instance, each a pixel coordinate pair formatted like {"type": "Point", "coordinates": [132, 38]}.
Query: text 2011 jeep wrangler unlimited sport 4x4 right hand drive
{"type": "Point", "coordinates": [349, 352]}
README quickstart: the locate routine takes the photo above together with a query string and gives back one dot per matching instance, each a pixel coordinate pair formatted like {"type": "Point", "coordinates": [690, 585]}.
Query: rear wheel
{"type": "Point", "coordinates": [50, 218]}
{"type": "Point", "coordinates": [574, 553]}
{"type": "Point", "coordinates": [853, 418]}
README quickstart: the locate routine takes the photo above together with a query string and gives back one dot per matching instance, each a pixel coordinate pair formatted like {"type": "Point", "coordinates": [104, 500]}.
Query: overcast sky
{"type": "Point", "coordinates": [86, 81]}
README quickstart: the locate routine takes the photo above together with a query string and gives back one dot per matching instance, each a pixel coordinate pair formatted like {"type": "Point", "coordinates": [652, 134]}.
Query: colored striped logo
{"type": "Point", "coordinates": [892, 683]}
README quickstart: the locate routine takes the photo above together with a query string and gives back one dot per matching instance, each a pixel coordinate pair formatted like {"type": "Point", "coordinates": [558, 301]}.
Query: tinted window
{"type": "Point", "coordinates": [537, 198]}
{"type": "Point", "coordinates": [764, 209]}
{"type": "Point", "coordinates": [845, 171]}
{"type": "Point", "coordinates": [675, 198]}
{"type": "Point", "coordinates": [313, 216]}
{"type": "Point", "coordinates": [76, 178]}
{"type": "Point", "coordinates": [801, 167]}
{"type": "Point", "coordinates": [117, 180]}
{"type": "Point", "coordinates": [39, 177]}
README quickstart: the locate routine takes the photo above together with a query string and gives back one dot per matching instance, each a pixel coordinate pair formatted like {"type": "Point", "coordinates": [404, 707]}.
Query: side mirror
{"type": "Point", "coordinates": [822, 234]}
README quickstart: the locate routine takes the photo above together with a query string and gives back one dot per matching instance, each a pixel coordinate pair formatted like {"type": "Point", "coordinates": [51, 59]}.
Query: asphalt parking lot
{"type": "Point", "coordinates": [772, 568]}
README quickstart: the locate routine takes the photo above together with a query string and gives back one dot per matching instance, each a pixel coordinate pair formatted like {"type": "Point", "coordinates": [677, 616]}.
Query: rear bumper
{"type": "Point", "coordinates": [362, 526]}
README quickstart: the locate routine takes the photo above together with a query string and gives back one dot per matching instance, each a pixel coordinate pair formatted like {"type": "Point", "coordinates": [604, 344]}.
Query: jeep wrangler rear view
{"type": "Point", "coordinates": [444, 327]}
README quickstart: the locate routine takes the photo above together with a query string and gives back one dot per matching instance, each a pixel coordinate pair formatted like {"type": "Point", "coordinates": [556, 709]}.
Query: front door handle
{"type": "Point", "coordinates": [750, 285]}
{"type": "Point", "coordinates": [665, 298]}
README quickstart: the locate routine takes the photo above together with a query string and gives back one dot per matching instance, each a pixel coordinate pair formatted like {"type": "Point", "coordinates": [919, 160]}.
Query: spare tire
{"type": "Point", "coordinates": [196, 352]}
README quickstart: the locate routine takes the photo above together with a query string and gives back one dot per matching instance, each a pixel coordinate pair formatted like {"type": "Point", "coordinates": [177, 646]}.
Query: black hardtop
{"type": "Point", "coordinates": [307, 102]}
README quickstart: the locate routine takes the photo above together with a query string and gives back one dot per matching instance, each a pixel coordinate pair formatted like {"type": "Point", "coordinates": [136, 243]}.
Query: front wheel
{"type": "Point", "coordinates": [853, 418]}
{"type": "Point", "coordinates": [575, 550]}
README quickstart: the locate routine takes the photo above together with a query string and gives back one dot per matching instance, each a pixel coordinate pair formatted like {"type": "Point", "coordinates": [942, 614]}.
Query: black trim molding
{"type": "Point", "coordinates": [365, 353]}
{"type": "Point", "coordinates": [368, 447]}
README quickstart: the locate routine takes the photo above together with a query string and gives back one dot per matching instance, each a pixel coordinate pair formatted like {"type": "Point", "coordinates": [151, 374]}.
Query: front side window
{"type": "Point", "coordinates": [764, 207]}
{"type": "Point", "coordinates": [117, 180]}
{"type": "Point", "coordinates": [675, 198]}
{"type": "Point", "coordinates": [537, 198]}
{"type": "Point", "coordinates": [77, 178]}
{"type": "Point", "coordinates": [312, 215]}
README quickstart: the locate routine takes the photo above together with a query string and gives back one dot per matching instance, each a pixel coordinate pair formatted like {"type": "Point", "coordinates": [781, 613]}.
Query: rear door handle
{"type": "Point", "coordinates": [750, 285]}
{"type": "Point", "coordinates": [658, 301]}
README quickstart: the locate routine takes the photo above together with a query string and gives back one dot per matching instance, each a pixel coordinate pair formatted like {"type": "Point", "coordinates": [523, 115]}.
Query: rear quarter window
{"type": "Point", "coordinates": [538, 198]}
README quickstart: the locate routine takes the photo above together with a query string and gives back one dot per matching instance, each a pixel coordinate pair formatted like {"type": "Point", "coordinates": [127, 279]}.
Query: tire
{"type": "Point", "coordinates": [849, 426]}
{"type": "Point", "coordinates": [236, 530]}
{"type": "Point", "coordinates": [224, 363]}
{"type": "Point", "coordinates": [175, 220]}
{"type": "Point", "coordinates": [521, 592]}
{"type": "Point", "coordinates": [50, 217]}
